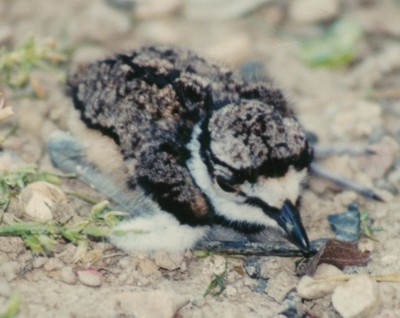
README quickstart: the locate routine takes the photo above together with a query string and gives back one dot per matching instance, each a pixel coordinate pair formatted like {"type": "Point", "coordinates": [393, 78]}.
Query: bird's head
{"type": "Point", "coordinates": [255, 159]}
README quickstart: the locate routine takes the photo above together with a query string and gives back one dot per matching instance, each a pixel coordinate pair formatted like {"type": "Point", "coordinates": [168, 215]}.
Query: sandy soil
{"type": "Point", "coordinates": [353, 105]}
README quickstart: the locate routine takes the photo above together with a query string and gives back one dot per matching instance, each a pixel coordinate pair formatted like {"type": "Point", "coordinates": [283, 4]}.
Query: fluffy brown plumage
{"type": "Point", "coordinates": [150, 101]}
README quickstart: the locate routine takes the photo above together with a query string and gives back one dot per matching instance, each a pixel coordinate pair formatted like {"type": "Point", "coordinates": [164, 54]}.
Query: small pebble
{"type": "Point", "coordinates": [346, 225]}
{"type": "Point", "coordinates": [252, 267]}
{"type": "Point", "coordinates": [125, 263]}
{"type": "Point", "coordinates": [68, 276]}
{"type": "Point", "coordinates": [169, 261]}
{"type": "Point", "coordinates": [90, 278]}
{"type": "Point", "coordinates": [230, 291]}
{"type": "Point", "coordinates": [311, 288]}
{"type": "Point", "coordinates": [123, 278]}
{"type": "Point", "coordinates": [292, 306]}
{"type": "Point", "coordinates": [40, 199]}
{"type": "Point", "coordinates": [147, 267]}
{"type": "Point", "coordinates": [199, 302]}
{"type": "Point", "coordinates": [359, 297]}
{"type": "Point", "coordinates": [39, 262]}
{"type": "Point", "coordinates": [280, 285]}
{"type": "Point", "coordinates": [52, 264]}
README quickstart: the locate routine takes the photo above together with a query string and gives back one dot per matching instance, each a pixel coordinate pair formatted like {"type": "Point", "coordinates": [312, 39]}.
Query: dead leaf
{"type": "Point", "coordinates": [337, 253]}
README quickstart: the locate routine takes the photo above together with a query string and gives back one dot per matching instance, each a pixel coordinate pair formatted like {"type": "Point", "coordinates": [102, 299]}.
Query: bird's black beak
{"type": "Point", "coordinates": [289, 219]}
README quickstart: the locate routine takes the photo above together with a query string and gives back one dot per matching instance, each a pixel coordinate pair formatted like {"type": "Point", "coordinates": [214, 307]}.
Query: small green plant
{"type": "Point", "coordinates": [335, 48]}
{"type": "Point", "coordinates": [367, 226]}
{"type": "Point", "coordinates": [17, 65]}
{"type": "Point", "coordinates": [12, 307]}
{"type": "Point", "coordinates": [217, 285]}
{"type": "Point", "coordinates": [43, 237]}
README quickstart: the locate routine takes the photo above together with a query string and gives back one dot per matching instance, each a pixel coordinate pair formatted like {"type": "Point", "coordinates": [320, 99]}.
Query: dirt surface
{"type": "Point", "coordinates": [356, 105]}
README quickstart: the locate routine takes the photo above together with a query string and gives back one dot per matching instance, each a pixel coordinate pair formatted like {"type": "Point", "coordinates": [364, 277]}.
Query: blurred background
{"type": "Point", "coordinates": [337, 62]}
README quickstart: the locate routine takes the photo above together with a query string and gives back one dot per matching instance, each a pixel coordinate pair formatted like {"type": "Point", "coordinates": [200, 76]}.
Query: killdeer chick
{"type": "Point", "coordinates": [191, 147]}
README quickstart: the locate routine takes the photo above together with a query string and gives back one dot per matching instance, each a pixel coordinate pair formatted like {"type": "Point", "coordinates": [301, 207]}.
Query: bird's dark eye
{"type": "Point", "coordinates": [225, 184]}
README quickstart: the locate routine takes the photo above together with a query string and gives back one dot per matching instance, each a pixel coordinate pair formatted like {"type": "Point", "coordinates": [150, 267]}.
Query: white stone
{"type": "Point", "coordinates": [311, 11]}
{"type": "Point", "coordinates": [230, 291]}
{"type": "Point", "coordinates": [89, 278]}
{"type": "Point", "coordinates": [152, 304]}
{"type": "Point", "coordinates": [359, 297]}
{"type": "Point", "coordinates": [68, 276]}
{"type": "Point", "coordinates": [40, 199]}
{"type": "Point", "coordinates": [315, 287]}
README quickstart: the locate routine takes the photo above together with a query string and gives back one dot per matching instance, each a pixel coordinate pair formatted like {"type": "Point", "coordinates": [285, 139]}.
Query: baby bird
{"type": "Point", "coordinates": [190, 145]}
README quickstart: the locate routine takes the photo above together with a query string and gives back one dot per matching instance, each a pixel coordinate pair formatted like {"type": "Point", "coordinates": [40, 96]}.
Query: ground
{"type": "Point", "coordinates": [351, 100]}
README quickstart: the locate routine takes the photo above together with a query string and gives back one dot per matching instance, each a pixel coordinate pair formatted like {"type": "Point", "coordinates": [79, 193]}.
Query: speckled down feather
{"type": "Point", "coordinates": [149, 101]}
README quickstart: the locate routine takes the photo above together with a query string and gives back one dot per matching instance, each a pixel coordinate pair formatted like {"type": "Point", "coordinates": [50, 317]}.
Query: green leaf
{"type": "Point", "coordinates": [13, 182]}
{"type": "Point", "coordinates": [335, 48]}
{"type": "Point", "coordinates": [113, 218]}
{"type": "Point", "coordinates": [48, 243]}
{"type": "Point", "coordinates": [33, 243]}
{"type": "Point", "coordinates": [17, 65]}
{"type": "Point", "coordinates": [367, 227]}
{"type": "Point", "coordinates": [98, 209]}
{"type": "Point", "coordinates": [12, 307]}
{"type": "Point", "coordinates": [217, 283]}
{"type": "Point", "coordinates": [98, 231]}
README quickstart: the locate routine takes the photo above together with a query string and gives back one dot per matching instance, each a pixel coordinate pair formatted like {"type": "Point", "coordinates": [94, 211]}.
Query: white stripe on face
{"type": "Point", "coordinates": [275, 191]}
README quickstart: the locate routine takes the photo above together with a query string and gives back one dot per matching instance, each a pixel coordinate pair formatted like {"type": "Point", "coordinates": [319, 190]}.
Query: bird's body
{"type": "Point", "coordinates": [196, 139]}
